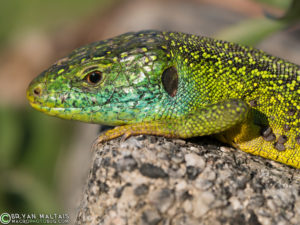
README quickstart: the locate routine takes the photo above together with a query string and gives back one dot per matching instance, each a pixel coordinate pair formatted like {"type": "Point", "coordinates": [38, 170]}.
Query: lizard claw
{"type": "Point", "coordinates": [98, 141]}
{"type": "Point", "coordinates": [125, 136]}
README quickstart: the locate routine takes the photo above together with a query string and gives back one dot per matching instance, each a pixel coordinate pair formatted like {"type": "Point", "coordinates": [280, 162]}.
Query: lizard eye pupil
{"type": "Point", "coordinates": [94, 77]}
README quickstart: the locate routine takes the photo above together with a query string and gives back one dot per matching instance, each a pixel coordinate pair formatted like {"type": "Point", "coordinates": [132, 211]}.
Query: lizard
{"type": "Point", "coordinates": [178, 85]}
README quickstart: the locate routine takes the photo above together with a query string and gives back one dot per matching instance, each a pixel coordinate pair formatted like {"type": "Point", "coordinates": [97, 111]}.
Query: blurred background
{"type": "Point", "coordinates": [44, 161]}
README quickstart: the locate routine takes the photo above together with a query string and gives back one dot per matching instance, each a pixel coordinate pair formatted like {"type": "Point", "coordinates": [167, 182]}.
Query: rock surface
{"type": "Point", "coordinates": [152, 180]}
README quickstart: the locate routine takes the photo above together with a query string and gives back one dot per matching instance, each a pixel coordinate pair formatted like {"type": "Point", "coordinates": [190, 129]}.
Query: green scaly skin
{"type": "Point", "coordinates": [179, 85]}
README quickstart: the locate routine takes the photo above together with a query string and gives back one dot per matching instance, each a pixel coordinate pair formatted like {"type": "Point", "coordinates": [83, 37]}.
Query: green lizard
{"type": "Point", "coordinates": [178, 85]}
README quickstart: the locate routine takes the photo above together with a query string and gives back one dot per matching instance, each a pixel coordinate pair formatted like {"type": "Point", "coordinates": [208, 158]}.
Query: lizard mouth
{"type": "Point", "coordinates": [70, 113]}
{"type": "Point", "coordinates": [37, 101]}
{"type": "Point", "coordinates": [53, 111]}
{"type": "Point", "coordinates": [72, 106]}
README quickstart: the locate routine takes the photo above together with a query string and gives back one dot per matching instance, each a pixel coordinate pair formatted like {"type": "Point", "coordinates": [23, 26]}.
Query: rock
{"type": "Point", "coordinates": [152, 171]}
{"type": "Point", "coordinates": [199, 182]}
{"type": "Point", "coordinates": [126, 163]}
{"type": "Point", "coordinates": [141, 190]}
{"type": "Point", "coordinates": [202, 202]}
{"type": "Point", "coordinates": [162, 199]}
{"type": "Point", "coordinates": [150, 217]}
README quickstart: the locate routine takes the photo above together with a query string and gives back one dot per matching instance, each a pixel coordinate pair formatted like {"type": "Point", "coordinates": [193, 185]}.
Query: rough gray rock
{"type": "Point", "coordinates": [157, 181]}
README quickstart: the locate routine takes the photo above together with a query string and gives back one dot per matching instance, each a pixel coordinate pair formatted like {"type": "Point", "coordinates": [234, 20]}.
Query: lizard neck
{"type": "Point", "coordinates": [205, 64]}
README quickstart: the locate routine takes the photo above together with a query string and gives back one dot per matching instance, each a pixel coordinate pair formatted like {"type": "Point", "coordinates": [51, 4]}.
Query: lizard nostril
{"type": "Point", "coordinates": [37, 91]}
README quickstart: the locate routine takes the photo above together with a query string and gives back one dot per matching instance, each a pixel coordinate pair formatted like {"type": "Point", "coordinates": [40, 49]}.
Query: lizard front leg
{"type": "Point", "coordinates": [207, 120]}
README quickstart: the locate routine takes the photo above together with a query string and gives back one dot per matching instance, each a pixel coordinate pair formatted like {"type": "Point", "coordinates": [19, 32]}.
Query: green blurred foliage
{"type": "Point", "coordinates": [30, 142]}
{"type": "Point", "coordinates": [293, 12]}
{"type": "Point", "coordinates": [252, 31]}
{"type": "Point", "coordinates": [283, 4]}
{"type": "Point", "coordinates": [20, 16]}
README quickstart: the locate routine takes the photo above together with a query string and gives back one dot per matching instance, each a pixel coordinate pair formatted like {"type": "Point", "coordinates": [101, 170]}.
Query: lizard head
{"type": "Point", "coordinates": [129, 78]}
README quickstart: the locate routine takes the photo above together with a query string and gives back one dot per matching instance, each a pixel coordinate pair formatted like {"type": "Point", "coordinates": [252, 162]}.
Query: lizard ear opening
{"type": "Point", "coordinates": [169, 80]}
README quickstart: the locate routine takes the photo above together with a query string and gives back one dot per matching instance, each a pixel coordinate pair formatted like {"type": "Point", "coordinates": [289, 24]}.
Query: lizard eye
{"type": "Point", "coordinates": [93, 77]}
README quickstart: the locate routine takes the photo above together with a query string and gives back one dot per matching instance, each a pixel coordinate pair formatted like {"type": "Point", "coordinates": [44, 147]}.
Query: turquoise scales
{"type": "Point", "coordinates": [178, 85]}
